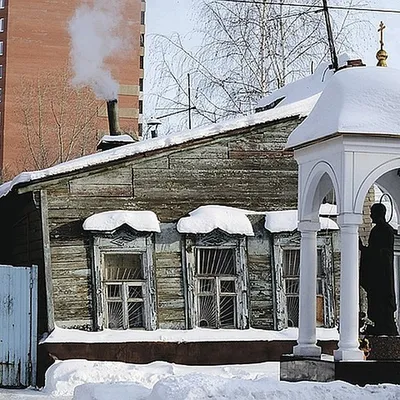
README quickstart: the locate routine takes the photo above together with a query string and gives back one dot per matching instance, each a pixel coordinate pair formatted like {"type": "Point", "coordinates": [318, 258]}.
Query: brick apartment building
{"type": "Point", "coordinates": [34, 49]}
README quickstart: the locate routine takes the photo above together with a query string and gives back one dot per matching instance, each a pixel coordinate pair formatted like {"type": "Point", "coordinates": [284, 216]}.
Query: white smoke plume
{"type": "Point", "coordinates": [95, 31]}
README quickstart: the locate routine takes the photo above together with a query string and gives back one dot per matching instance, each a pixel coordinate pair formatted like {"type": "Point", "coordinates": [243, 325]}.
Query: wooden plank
{"type": "Point", "coordinates": [238, 161]}
{"type": "Point", "coordinates": [151, 163]}
{"type": "Point", "coordinates": [47, 259]}
{"type": "Point", "coordinates": [105, 190]}
{"type": "Point", "coordinates": [113, 183]}
{"type": "Point", "coordinates": [169, 273]}
{"type": "Point", "coordinates": [208, 151]}
{"type": "Point", "coordinates": [171, 304]}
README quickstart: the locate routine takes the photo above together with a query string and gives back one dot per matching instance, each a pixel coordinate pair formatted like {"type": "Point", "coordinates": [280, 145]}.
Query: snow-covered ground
{"type": "Point", "coordinates": [90, 380]}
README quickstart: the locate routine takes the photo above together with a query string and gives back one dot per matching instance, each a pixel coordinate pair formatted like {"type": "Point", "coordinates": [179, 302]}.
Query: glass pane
{"type": "Point", "coordinates": [228, 287]}
{"type": "Point", "coordinates": [227, 312]}
{"type": "Point", "coordinates": [216, 261]}
{"type": "Point", "coordinates": [292, 286]}
{"type": "Point", "coordinates": [123, 267]}
{"type": "Point", "coordinates": [115, 315]}
{"type": "Point", "coordinates": [135, 292]}
{"type": "Point", "coordinates": [293, 310]}
{"type": "Point", "coordinates": [319, 263]}
{"type": "Point", "coordinates": [206, 286]}
{"type": "Point", "coordinates": [319, 286]}
{"type": "Point", "coordinates": [207, 312]}
{"type": "Point", "coordinates": [291, 263]}
{"type": "Point", "coordinates": [135, 315]}
{"type": "Point", "coordinates": [114, 291]}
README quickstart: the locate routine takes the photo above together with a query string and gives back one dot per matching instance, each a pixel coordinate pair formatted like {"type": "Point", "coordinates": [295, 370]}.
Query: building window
{"type": "Point", "coordinates": [140, 106]}
{"type": "Point", "coordinates": [1, 47]}
{"type": "Point", "coordinates": [291, 276]}
{"type": "Point", "coordinates": [140, 130]}
{"type": "Point", "coordinates": [2, 4]}
{"type": "Point", "coordinates": [124, 285]}
{"type": "Point", "coordinates": [142, 40]}
{"type": "Point", "coordinates": [141, 62]}
{"type": "Point", "coordinates": [1, 71]}
{"type": "Point", "coordinates": [216, 288]}
{"type": "Point", "coordinates": [141, 84]}
{"type": "Point", "coordinates": [1, 24]}
{"type": "Point", "coordinates": [216, 270]}
{"type": "Point", "coordinates": [142, 17]}
{"type": "Point", "coordinates": [286, 255]}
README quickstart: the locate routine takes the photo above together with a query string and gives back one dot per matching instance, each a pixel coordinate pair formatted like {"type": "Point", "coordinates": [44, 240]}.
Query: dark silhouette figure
{"type": "Point", "coordinates": [377, 275]}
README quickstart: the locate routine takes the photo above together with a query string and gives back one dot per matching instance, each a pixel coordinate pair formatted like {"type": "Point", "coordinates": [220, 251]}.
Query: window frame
{"type": "Point", "coordinates": [124, 242]}
{"type": "Point", "coordinates": [291, 241]}
{"type": "Point", "coordinates": [215, 240]}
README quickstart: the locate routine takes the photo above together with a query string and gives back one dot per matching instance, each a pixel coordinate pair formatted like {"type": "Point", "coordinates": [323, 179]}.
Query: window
{"type": "Point", "coordinates": [123, 284]}
{"type": "Point", "coordinates": [215, 269]}
{"type": "Point", "coordinates": [140, 84]}
{"type": "Point", "coordinates": [141, 62]}
{"type": "Point", "coordinates": [1, 71]}
{"type": "Point", "coordinates": [1, 47]}
{"type": "Point", "coordinates": [142, 40]}
{"type": "Point", "coordinates": [140, 106]}
{"type": "Point", "coordinates": [216, 287]}
{"type": "Point", "coordinates": [1, 24]}
{"type": "Point", "coordinates": [2, 4]}
{"type": "Point", "coordinates": [291, 276]}
{"type": "Point", "coordinates": [142, 17]}
{"type": "Point", "coordinates": [140, 129]}
{"type": "Point", "coordinates": [123, 280]}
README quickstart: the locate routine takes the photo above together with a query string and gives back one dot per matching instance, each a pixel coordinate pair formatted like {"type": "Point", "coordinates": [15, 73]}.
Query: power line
{"type": "Point", "coordinates": [269, 3]}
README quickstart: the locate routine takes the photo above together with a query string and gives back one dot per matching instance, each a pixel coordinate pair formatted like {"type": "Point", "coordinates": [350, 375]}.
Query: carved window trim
{"type": "Point", "coordinates": [124, 241]}
{"type": "Point", "coordinates": [216, 239]}
{"type": "Point", "coordinates": [284, 242]}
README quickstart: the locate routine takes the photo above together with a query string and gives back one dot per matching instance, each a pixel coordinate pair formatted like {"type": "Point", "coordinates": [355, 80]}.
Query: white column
{"type": "Point", "coordinates": [307, 340]}
{"type": "Point", "coordinates": [349, 292]}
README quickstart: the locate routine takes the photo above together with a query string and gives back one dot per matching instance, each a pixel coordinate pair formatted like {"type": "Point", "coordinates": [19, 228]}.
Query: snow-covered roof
{"type": "Point", "coordinates": [117, 138]}
{"type": "Point", "coordinates": [286, 221]}
{"type": "Point", "coordinates": [364, 100]}
{"type": "Point", "coordinates": [300, 109]}
{"type": "Point", "coordinates": [207, 218]}
{"type": "Point", "coordinates": [108, 221]}
{"type": "Point", "coordinates": [304, 88]}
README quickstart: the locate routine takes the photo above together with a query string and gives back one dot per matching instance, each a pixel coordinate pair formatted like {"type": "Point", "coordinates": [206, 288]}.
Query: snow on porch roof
{"type": "Point", "coordinates": [361, 100]}
{"type": "Point", "coordinates": [108, 221]}
{"type": "Point", "coordinates": [304, 88]}
{"type": "Point", "coordinates": [286, 221]}
{"type": "Point", "coordinates": [301, 109]}
{"type": "Point", "coordinates": [207, 218]}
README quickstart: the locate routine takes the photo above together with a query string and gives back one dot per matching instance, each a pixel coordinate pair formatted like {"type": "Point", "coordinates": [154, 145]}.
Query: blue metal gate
{"type": "Point", "coordinates": [18, 326]}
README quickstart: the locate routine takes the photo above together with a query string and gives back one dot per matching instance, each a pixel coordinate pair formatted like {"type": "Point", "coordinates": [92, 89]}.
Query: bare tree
{"type": "Point", "coordinates": [248, 50]}
{"type": "Point", "coordinates": [58, 121]}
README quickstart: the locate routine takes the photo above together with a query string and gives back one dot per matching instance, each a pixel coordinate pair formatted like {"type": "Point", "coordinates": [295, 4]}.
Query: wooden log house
{"type": "Point", "coordinates": [126, 278]}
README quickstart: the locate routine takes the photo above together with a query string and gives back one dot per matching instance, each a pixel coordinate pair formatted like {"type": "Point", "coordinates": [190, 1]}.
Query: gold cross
{"type": "Point", "coordinates": [381, 28]}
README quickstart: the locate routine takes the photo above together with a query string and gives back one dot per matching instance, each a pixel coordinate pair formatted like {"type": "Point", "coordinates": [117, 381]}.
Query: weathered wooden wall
{"type": "Point", "coordinates": [259, 257]}
{"type": "Point", "coordinates": [248, 169]}
{"type": "Point", "coordinates": [22, 242]}
{"type": "Point", "coordinates": [169, 278]}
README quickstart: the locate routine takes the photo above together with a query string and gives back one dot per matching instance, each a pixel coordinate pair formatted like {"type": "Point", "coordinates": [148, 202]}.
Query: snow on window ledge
{"type": "Point", "coordinates": [207, 218]}
{"type": "Point", "coordinates": [142, 221]}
